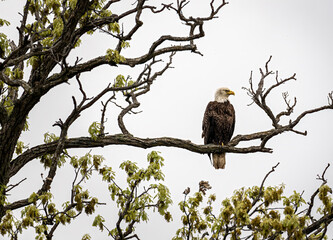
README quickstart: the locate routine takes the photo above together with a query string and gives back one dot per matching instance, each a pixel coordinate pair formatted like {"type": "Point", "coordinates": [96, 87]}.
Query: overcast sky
{"type": "Point", "coordinates": [299, 36]}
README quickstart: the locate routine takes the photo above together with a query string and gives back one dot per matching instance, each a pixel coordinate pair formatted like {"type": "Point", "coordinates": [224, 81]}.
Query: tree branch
{"type": "Point", "coordinates": [262, 187]}
{"type": "Point", "coordinates": [259, 95]}
{"type": "Point", "coordinates": [146, 79]}
{"type": "Point", "coordinates": [311, 203]}
{"type": "Point", "coordinates": [327, 219]}
{"type": "Point", "coordinates": [129, 140]}
{"type": "Point", "coordinates": [15, 83]}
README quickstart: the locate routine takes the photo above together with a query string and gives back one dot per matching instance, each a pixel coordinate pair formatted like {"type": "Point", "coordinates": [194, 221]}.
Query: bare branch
{"type": "Point", "coordinates": [302, 115]}
{"type": "Point", "coordinates": [290, 108]}
{"type": "Point", "coordinates": [311, 203]}
{"type": "Point", "coordinates": [103, 120]}
{"type": "Point", "coordinates": [11, 186]}
{"type": "Point", "coordinates": [279, 82]}
{"type": "Point", "coordinates": [108, 4]}
{"type": "Point", "coordinates": [330, 98]}
{"type": "Point", "coordinates": [322, 177]}
{"type": "Point", "coordinates": [259, 96]}
{"type": "Point", "coordinates": [146, 79]}
{"type": "Point", "coordinates": [262, 186]}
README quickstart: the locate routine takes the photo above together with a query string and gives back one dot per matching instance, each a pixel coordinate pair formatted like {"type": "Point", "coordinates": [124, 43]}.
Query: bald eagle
{"type": "Point", "coordinates": [218, 123]}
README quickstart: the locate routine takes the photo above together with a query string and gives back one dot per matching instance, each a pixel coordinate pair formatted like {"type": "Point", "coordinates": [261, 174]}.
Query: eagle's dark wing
{"type": "Point", "coordinates": [207, 128]}
{"type": "Point", "coordinates": [229, 123]}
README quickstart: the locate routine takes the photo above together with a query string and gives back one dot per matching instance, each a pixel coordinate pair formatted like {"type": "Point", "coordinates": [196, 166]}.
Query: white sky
{"type": "Point", "coordinates": [298, 34]}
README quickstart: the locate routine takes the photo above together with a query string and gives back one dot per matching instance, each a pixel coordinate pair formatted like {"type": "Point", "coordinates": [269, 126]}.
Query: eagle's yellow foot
{"type": "Point", "coordinates": [222, 144]}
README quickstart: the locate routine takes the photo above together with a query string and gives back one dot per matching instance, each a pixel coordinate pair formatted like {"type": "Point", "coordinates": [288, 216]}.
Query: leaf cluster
{"type": "Point", "coordinates": [325, 197]}
{"type": "Point", "coordinates": [94, 130]}
{"type": "Point", "coordinates": [252, 213]}
{"type": "Point", "coordinates": [46, 159]}
{"type": "Point", "coordinates": [41, 212]}
{"type": "Point", "coordinates": [135, 200]}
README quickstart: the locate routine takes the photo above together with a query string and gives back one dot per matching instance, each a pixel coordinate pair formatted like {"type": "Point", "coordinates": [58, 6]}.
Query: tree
{"type": "Point", "coordinates": [41, 59]}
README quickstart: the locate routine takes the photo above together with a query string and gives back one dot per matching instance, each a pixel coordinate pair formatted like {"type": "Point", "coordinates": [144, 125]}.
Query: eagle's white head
{"type": "Point", "coordinates": [222, 94]}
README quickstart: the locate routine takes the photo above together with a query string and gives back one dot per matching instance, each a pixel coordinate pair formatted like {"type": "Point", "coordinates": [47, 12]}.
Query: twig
{"type": "Point", "coordinates": [103, 120]}
{"type": "Point", "coordinates": [262, 186]}
{"type": "Point", "coordinates": [311, 203]}
{"type": "Point", "coordinates": [11, 186]}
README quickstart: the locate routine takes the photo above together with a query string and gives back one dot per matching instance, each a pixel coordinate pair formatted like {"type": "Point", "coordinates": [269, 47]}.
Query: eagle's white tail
{"type": "Point", "coordinates": [219, 161]}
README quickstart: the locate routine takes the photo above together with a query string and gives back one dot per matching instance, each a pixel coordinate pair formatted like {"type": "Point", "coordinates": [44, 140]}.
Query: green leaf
{"type": "Point", "coordinates": [114, 27]}
{"type": "Point", "coordinates": [50, 137]}
{"type": "Point", "coordinates": [107, 174]}
{"type": "Point", "coordinates": [19, 147]}
{"type": "Point", "coordinates": [17, 74]}
{"type": "Point", "coordinates": [72, 3]}
{"type": "Point", "coordinates": [45, 197]}
{"type": "Point", "coordinates": [125, 44]}
{"type": "Point", "coordinates": [58, 27]}
{"type": "Point", "coordinates": [120, 81]}
{"type": "Point", "coordinates": [86, 237]}
{"type": "Point", "coordinates": [94, 130]}
{"type": "Point", "coordinates": [4, 22]}
{"type": "Point", "coordinates": [33, 198]}
{"type": "Point", "coordinates": [97, 160]}
{"type": "Point", "coordinates": [98, 222]}
{"type": "Point", "coordinates": [4, 46]}
{"type": "Point", "coordinates": [114, 56]}
{"type": "Point", "coordinates": [74, 161]}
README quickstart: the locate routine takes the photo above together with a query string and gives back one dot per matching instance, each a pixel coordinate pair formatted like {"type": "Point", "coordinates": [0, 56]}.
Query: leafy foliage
{"type": "Point", "coordinates": [134, 201]}
{"type": "Point", "coordinates": [43, 214]}
{"type": "Point", "coordinates": [325, 196]}
{"type": "Point", "coordinates": [252, 213]}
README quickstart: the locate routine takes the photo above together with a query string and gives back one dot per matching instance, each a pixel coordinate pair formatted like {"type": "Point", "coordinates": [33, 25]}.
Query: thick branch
{"type": "Point", "coordinates": [15, 83]}
{"type": "Point", "coordinates": [62, 77]}
{"type": "Point", "coordinates": [129, 140]}
{"type": "Point", "coordinates": [126, 139]}
{"type": "Point", "coordinates": [327, 219]}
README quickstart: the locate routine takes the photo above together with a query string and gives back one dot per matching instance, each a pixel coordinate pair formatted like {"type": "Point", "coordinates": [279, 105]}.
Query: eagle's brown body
{"type": "Point", "coordinates": [218, 126]}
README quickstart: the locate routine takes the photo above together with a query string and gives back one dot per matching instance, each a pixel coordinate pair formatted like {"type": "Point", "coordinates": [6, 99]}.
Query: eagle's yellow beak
{"type": "Point", "coordinates": [231, 92]}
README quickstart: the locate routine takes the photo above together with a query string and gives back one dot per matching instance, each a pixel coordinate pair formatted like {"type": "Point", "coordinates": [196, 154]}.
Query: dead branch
{"type": "Point", "coordinates": [259, 95]}
{"type": "Point", "coordinates": [11, 186]}
{"type": "Point", "coordinates": [311, 203]}
{"type": "Point", "coordinates": [103, 120]}
{"type": "Point", "coordinates": [144, 81]}
{"type": "Point", "coordinates": [262, 186]}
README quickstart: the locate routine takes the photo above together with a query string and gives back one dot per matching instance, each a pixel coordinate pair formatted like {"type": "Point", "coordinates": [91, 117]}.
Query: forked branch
{"type": "Point", "coordinates": [259, 95]}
